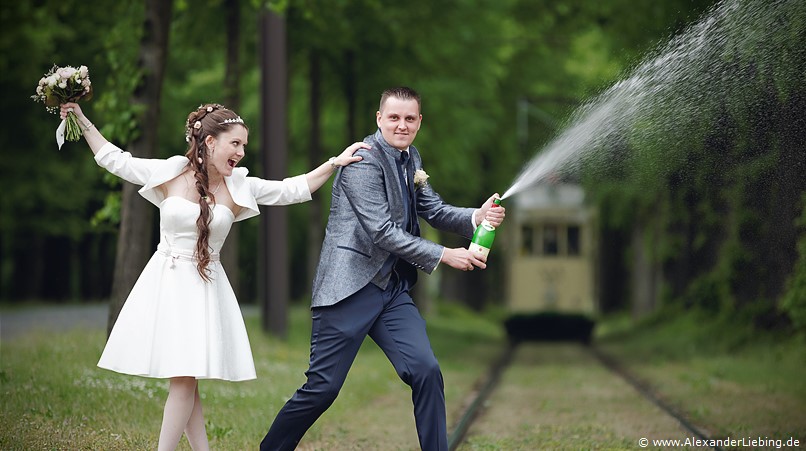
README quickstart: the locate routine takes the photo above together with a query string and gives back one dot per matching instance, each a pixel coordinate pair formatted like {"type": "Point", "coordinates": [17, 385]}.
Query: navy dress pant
{"type": "Point", "coordinates": [392, 320]}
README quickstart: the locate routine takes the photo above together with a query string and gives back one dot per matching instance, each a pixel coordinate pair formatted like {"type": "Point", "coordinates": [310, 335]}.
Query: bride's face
{"type": "Point", "coordinates": [227, 150]}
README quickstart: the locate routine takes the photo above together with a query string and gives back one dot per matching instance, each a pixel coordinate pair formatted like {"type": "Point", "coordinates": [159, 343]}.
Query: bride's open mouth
{"type": "Point", "coordinates": [232, 163]}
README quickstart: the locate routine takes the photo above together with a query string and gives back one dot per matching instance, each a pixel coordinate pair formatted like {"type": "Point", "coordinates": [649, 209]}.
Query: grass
{"type": "Point", "coordinates": [54, 397]}
{"type": "Point", "coordinates": [727, 377]}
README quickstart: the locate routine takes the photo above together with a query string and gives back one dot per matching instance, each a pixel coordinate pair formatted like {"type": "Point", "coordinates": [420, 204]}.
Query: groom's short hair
{"type": "Point", "coordinates": [402, 93]}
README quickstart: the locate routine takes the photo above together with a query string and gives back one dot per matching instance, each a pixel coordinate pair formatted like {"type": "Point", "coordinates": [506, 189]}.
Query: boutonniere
{"type": "Point", "coordinates": [420, 178]}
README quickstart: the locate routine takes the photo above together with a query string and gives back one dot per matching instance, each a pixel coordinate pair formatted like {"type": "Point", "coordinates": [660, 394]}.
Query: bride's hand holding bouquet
{"type": "Point", "coordinates": [72, 109]}
{"type": "Point", "coordinates": [88, 130]}
{"type": "Point", "coordinates": [62, 85]}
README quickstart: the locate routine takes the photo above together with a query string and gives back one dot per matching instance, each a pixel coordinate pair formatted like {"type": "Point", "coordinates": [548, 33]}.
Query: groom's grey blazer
{"type": "Point", "coordinates": [367, 223]}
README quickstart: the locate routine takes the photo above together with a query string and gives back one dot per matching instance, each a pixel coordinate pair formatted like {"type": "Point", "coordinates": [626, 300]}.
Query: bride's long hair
{"type": "Point", "coordinates": [211, 119]}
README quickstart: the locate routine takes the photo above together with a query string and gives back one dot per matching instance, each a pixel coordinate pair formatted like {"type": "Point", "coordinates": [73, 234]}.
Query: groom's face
{"type": "Point", "coordinates": [399, 120]}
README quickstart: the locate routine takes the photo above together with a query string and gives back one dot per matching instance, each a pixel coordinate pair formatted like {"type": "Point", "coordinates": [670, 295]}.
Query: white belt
{"type": "Point", "coordinates": [182, 254]}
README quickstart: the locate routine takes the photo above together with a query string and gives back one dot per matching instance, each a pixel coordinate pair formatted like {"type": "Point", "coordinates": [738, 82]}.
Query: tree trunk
{"type": "Point", "coordinates": [315, 233]}
{"type": "Point", "coordinates": [232, 99]}
{"type": "Point", "coordinates": [274, 262]}
{"type": "Point", "coordinates": [35, 274]}
{"type": "Point", "coordinates": [644, 282]}
{"type": "Point", "coordinates": [350, 95]}
{"type": "Point", "coordinates": [613, 275]}
{"type": "Point", "coordinates": [134, 239]}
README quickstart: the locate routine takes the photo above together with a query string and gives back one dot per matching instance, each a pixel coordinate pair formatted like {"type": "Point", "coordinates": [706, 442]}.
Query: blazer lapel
{"type": "Point", "coordinates": [402, 201]}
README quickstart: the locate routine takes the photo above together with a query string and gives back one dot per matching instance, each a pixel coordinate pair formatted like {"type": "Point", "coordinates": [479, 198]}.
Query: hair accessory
{"type": "Point", "coordinates": [197, 125]}
{"type": "Point", "coordinates": [234, 120]}
{"type": "Point", "coordinates": [209, 109]}
{"type": "Point", "coordinates": [200, 160]}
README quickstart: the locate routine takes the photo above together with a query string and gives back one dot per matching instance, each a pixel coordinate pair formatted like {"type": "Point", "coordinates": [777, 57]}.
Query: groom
{"type": "Point", "coordinates": [367, 268]}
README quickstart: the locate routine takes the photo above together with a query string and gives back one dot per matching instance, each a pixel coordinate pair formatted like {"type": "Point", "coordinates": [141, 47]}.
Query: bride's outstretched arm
{"type": "Point", "coordinates": [94, 137]}
{"type": "Point", "coordinates": [317, 177]}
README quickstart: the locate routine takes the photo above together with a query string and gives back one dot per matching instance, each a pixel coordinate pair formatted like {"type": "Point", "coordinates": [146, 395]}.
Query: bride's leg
{"type": "Point", "coordinates": [178, 408]}
{"type": "Point", "coordinates": [195, 431]}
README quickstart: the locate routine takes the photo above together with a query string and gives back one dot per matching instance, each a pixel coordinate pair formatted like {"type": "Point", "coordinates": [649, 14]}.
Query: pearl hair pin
{"type": "Point", "coordinates": [235, 120]}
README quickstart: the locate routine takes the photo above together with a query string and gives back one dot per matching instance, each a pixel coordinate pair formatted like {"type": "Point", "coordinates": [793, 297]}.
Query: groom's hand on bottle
{"type": "Point", "coordinates": [463, 259]}
{"type": "Point", "coordinates": [493, 214]}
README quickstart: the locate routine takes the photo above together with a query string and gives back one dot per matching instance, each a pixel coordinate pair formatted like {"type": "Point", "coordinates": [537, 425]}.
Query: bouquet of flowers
{"type": "Point", "coordinates": [61, 85]}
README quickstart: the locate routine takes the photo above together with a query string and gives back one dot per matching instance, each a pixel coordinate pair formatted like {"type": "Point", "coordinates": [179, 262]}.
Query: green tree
{"type": "Point", "coordinates": [134, 238]}
{"type": "Point", "coordinates": [711, 170]}
{"type": "Point", "coordinates": [49, 248]}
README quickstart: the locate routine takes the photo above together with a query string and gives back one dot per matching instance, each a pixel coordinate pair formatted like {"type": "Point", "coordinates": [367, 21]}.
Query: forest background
{"type": "Point", "coordinates": [720, 227]}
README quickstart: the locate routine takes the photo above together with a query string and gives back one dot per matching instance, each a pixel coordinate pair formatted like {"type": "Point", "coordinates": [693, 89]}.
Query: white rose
{"type": "Point", "coordinates": [420, 178]}
{"type": "Point", "coordinates": [83, 71]}
{"type": "Point", "coordinates": [66, 72]}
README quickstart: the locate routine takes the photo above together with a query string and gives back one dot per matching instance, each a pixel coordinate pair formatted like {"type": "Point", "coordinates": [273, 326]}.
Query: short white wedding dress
{"type": "Point", "coordinates": [173, 322]}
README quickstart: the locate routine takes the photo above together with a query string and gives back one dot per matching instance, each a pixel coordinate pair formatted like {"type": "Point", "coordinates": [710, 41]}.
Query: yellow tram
{"type": "Point", "coordinates": [552, 246]}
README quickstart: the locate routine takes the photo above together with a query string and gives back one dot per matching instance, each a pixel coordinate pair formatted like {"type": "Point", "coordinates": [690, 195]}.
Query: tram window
{"type": "Point", "coordinates": [573, 240]}
{"type": "Point", "coordinates": [550, 240]}
{"type": "Point", "coordinates": [527, 240]}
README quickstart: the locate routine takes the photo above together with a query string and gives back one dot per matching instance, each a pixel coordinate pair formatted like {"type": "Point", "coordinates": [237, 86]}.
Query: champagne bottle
{"type": "Point", "coordinates": [484, 235]}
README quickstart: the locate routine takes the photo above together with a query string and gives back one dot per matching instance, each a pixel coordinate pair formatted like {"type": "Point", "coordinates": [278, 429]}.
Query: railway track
{"type": "Point", "coordinates": [491, 380]}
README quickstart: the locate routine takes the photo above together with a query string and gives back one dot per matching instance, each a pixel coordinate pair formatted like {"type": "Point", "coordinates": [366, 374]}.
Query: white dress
{"type": "Point", "coordinates": [174, 323]}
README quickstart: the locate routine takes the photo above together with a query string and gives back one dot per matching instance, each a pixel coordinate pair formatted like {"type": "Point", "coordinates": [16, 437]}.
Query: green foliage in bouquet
{"type": "Point", "coordinates": [61, 85]}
